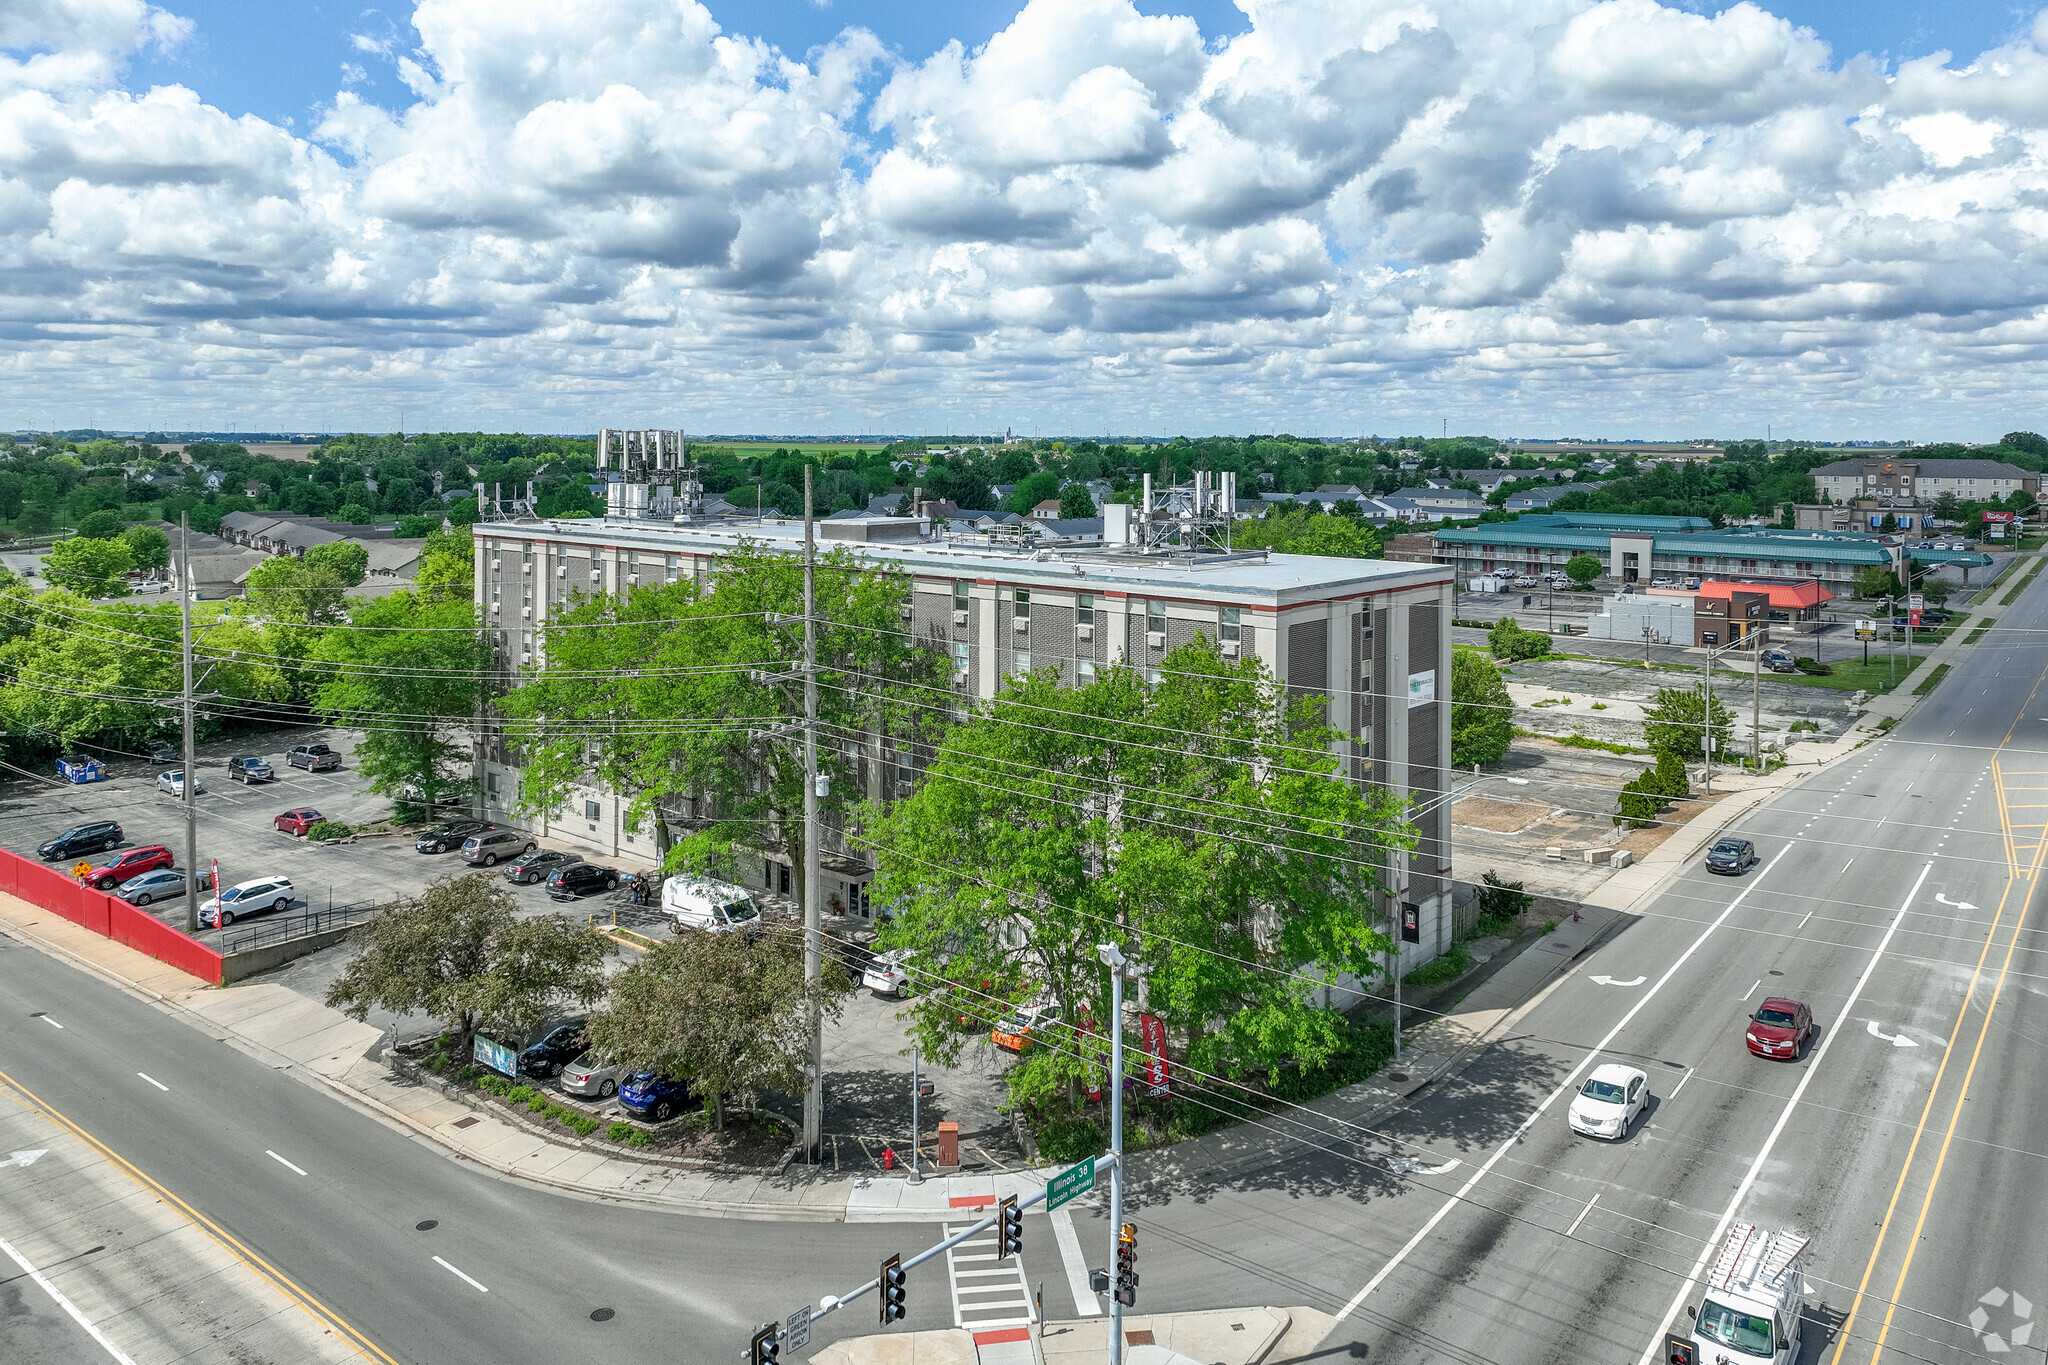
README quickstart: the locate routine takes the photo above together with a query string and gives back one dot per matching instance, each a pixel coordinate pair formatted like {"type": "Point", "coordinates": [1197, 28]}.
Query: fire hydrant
{"type": "Point", "coordinates": [888, 1158]}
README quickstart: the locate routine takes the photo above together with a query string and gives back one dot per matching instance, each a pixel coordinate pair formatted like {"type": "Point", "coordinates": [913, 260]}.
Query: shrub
{"type": "Point", "coordinates": [640, 1138]}
{"type": "Point", "coordinates": [1068, 1136]}
{"type": "Point", "coordinates": [582, 1123]}
{"type": "Point", "coordinates": [1509, 641]}
{"type": "Point", "coordinates": [520, 1094]}
{"type": "Point", "coordinates": [329, 829]}
{"type": "Point", "coordinates": [1813, 667]}
{"type": "Point", "coordinates": [1500, 904]}
{"type": "Point", "coordinates": [1444, 967]}
{"type": "Point", "coordinates": [620, 1130]}
{"type": "Point", "coordinates": [541, 1104]}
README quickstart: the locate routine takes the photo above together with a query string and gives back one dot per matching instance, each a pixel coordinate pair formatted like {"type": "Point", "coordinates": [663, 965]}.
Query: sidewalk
{"type": "Point", "coordinates": [1224, 1336]}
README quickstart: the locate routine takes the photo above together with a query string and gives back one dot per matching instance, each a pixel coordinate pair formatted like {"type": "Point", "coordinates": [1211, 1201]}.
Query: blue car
{"type": "Point", "coordinates": [658, 1099]}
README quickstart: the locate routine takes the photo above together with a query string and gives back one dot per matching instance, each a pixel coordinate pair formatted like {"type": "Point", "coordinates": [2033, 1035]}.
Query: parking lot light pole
{"type": "Point", "coordinates": [191, 784]}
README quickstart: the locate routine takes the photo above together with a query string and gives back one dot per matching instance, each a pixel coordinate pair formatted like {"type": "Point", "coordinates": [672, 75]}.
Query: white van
{"type": "Point", "coordinates": [1751, 1308]}
{"type": "Point", "coordinates": [721, 907]}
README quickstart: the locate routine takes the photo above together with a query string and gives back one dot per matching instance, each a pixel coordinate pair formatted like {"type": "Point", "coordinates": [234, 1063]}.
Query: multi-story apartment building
{"type": "Point", "coordinates": [1369, 636]}
{"type": "Point", "coordinates": [1915, 481]}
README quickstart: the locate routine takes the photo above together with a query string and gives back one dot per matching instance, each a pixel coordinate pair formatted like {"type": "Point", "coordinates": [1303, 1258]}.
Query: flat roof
{"type": "Point", "coordinates": [1276, 576]}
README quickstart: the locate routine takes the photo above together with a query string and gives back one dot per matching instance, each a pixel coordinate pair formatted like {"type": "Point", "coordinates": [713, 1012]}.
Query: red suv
{"type": "Point", "coordinates": [1779, 1028]}
{"type": "Point", "coordinates": [298, 821]}
{"type": "Point", "coordinates": [133, 863]}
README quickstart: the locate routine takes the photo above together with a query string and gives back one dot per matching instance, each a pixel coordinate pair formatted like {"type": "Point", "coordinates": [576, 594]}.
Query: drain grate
{"type": "Point", "coordinates": [464, 1123]}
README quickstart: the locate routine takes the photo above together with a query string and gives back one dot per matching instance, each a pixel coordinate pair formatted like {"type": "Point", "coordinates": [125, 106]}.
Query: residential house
{"type": "Point", "coordinates": [1536, 499]}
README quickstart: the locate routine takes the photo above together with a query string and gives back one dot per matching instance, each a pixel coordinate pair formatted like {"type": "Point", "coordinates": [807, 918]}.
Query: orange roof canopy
{"type": "Point", "coordinates": [1793, 595]}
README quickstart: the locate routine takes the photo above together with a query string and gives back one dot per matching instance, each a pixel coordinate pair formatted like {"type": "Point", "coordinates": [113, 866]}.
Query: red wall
{"type": "Point", "coordinates": [108, 916]}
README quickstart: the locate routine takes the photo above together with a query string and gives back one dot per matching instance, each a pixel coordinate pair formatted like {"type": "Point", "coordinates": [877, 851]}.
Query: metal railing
{"type": "Point", "coordinates": [286, 927]}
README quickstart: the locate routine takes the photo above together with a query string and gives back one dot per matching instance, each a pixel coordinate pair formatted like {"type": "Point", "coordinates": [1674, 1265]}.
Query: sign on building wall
{"type": "Point", "coordinates": [1422, 688]}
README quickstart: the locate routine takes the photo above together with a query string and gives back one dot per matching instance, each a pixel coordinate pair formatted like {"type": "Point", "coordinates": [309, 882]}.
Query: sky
{"type": "Point", "coordinates": [1332, 217]}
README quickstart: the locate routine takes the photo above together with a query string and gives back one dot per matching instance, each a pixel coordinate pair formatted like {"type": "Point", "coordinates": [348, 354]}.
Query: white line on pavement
{"type": "Point", "coordinates": [43, 1283]}
{"type": "Point", "coordinates": [1682, 1080]}
{"type": "Point", "coordinates": [1582, 1215]}
{"type": "Point", "coordinates": [1713, 1243]}
{"type": "Point", "coordinates": [288, 1166]}
{"type": "Point", "coordinates": [1570, 1080]}
{"type": "Point", "coordinates": [445, 1266]}
{"type": "Point", "coordinates": [152, 1080]}
{"type": "Point", "coordinates": [1085, 1302]}
{"type": "Point", "coordinates": [1752, 990]}
{"type": "Point", "coordinates": [51, 1022]}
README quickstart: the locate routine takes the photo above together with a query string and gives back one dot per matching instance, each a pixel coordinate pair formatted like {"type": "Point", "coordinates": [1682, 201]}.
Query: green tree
{"type": "Point", "coordinates": [410, 671]}
{"type": "Point", "coordinates": [1875, 580]}
{"type": "Point", "coordinates": [1676, 724]}
{"type": "Point", "coordinates": [1583, 569]}
{"type": "Point", "coordinates": [348, 560]}
{"type": "Point", "coordinates": [356, 514]}
{"type": "Point", "coordinates": [1337, 537]}
{"type": "Point", "coordinates": [1948, 507]}
{"type": "Point", "coordinates": [1510, 642]}
{"type": "Point", "coordinates": [1482, 713]}
{"type": "Point", "coordinates": [448, 563]}
{"type": "Point", "coordinates": [297, 591]}
{"type": "Point", "coordinates": [103, 525]}
{"type": "Point", "coordinates": [1935, 589]}
{"type": "Point", "coordinates": [1887, 524]}
{"type": "Point", "coordinates": [457, 952]}
{"type": "Point", "coordinates": [728, 1012]}
{"type": "Point", "coordinates": [1202, 821]}
{"type": "Point", "coordinates": [150, 547]}
{"type": "Point", "coordinates": [96, 568]}
{"type": "Point", "coordinates": [1075, 503]}
{"type": "Point", "coordinates": [630, 681]}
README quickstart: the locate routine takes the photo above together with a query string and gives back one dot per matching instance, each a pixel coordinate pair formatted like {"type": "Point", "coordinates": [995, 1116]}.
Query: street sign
{"type": "Point", "coordinates": [1069, 1184]}
{"type": "Point", "coordinates": [496, 1056]}
{"type": "Point", "coordinates": [796, 1329]}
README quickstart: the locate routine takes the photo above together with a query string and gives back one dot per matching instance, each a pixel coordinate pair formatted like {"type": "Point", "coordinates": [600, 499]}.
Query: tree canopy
{"type": "Point", "coordinates": [1482, 713]}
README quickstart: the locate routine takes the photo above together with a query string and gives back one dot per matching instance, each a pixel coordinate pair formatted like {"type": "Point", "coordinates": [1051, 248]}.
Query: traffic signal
{"type": "Point", "coordinates": [892, 1290]}
{"type": "Point", "coordinates": [1127, 1265]}
{"type": "Point", "coordinates": [1679, 1350]}
{"type": "Point", "coordinates": [1010, 1227]}
{"type": "Point", "coordinates": [767, 1347]}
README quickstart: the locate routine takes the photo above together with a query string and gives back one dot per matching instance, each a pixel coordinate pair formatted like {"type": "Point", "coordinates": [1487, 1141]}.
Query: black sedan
{"type": "Point", "coordinates": [562, 1045]}
{"type": "Point", "coordinates": [1731, 857]}
{"type": "Point", "coordinates": [529, 868]}
{"type": "Point", "coordinates": [449, 834]}
{"type": "Point", "coordinates": [581, 879]}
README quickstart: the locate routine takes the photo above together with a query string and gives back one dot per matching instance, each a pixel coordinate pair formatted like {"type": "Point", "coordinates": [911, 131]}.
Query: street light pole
{"type": "Point", "coordinates": [814, 923]}
{"type": "Point", "coordinates": [185, 660]}
{"type": "Point", "coordinates": [1113, 958]}
{"type": "Point", "coordinates": [1756, 701]}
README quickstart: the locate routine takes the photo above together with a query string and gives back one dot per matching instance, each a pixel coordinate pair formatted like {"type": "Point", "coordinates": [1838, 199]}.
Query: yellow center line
{"type": "Point", "coordinates": [318, 1311]}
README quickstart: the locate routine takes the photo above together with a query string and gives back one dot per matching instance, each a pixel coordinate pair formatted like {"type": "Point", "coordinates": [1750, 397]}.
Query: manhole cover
{"type": "Point", "coordinates": [601, 1315]}
{"type": "Point", "coordinates": [1397, 1076]}
{"type": "Point", "coordinates": [427, 1226]}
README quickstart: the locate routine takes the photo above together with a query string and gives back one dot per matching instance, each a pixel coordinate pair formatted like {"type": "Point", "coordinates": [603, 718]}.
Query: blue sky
{"type": "Point", "coordinates": [279, 61]}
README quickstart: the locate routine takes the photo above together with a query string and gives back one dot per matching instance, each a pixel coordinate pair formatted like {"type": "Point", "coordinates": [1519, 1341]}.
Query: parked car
{"type": "Point", "coordinates": [887, 973]}
{"type": "Point", "coordinates": [592, 1077]}
{"type": "Point", "coordinates": [1731, 857]}
{"type": "Point", "coordinates": [1016, 1033]}
{"type": "Point", "coordinates": [646, 1095]}
{"type": "Point", "coordinates": [96, 836]}
{"type": "Point", "coordinates": [563, 1044]}
{"type": "Point", "coordinates": [160, 754]}
{"type": "Point", "coordinates": [257, 896]}
{"type": "Point", "coordinates": [448, 834]}
{"type": "Point", "coordinates": [702, 903]}
{"type": "Point", "coordinates": [581, 879]}
{"type": "Point", "coordinates": [249, 769]}
{"type": "Point", "coordinates": [1609, 1101]}
{"type": "Point", "coordinates": [492, 846]}
{"type": "Point", "coordinates": [133, 863]}
{"type": "Point", "coordinates": [1778, 661]}
{"type": "Point", "coordinates": [1934, 616]}
{"type": "Point", "coordinates": [1779, 1028]}
{"type": "Point", "coordinates": [415, 795]}
{"type": "Point", "coordinates": [299, 820]}
{"type": "Point", "coordinates": [1662, 583]}
{"type": "Point", "coordinates": [529, 868]}
{"type": "Point", "coordinates": [314, 758]}
{"type": "Point", "coordinates": [166, 883]}
{"type": "Point", "coordinates": [174, 782]}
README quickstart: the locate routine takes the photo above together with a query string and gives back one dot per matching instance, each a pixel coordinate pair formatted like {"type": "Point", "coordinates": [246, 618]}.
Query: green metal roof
{"type": "Point", "coordinates": [1787, 546]}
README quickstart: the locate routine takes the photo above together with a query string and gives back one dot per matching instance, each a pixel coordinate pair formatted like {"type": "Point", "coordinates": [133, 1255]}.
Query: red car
{"type": "Point", "coordinates": [1779, 1028]}
{"type": "Point", "coordinates": [298, 821]}
{"type": "Point", "coordinates": [133, 863]}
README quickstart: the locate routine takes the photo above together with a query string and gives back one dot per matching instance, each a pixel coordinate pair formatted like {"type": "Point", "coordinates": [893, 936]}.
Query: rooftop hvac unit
{"type": "Point", "coordinates": [959, 618]}
{"type": "Point", "coordinates": [1156, 638]}
{"type": "Point", "coordinates": [1084, 631]}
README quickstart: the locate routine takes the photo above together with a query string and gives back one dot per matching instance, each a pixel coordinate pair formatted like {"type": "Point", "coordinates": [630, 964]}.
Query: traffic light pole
{"type": "Point", "coordinates": [1114, 959]}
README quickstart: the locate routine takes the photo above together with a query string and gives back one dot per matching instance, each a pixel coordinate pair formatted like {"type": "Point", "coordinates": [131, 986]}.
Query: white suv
{"type": "Point", "coordinates": [259, 896]}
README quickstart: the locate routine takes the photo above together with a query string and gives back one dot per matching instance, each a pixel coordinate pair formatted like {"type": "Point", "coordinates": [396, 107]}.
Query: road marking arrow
{"type": "Point", "coordinates": [1610, 981]}
{"type": "Point", "coordinates": [1408, 1165]}
{"type": "Point", "coordinates": [1954, 905]}
{"type": "Point", "coordinates": [1895, 1039]}
{"type": "Point", "coordinates": [27, 1158]}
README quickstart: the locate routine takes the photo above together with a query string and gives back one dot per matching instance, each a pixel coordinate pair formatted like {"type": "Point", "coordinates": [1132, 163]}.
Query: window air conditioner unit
{"type": "Point", "coordinates": [526, 566]}
{"type": "Point", "coordinates": [1084, 631]}
{"type": "Point", "coordinates": [905, 788]}
{"type": "Point", "coordinates": [903, 613]}
{"type": "Point", "coordinates": [1229, 648]}
{"type": "Point", "coordinates": [561, 571]}
{"type": "Point", "coordinates": [494, 566]}
{"type": "Point", "coordinates": [632, 578]}
{"type": "Point", "coordinates": [526, 612]}
{"type": "Point", "coordinates": [495, 608]}
{"type": "Point", "coordinates": [959, 618]}
{"type": "Point", "coordinates": [526, 656]}
{"type": "Point", "coordinates": [960, 678]}
{"type": "Point", "coordinates": [1020, 624]}
{"type": "Point", "coordinates": [1156, 639]}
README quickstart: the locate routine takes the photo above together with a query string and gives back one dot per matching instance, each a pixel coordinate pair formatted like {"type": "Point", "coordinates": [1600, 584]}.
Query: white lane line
{"type": "Point", "coordinates": [48, 1020]}
{"type": "Point", "coordinates": [1713, 1243]}
{"type": "Point", "coordinates": [451, 1269]}
{"type": "Point", "coordinates": [1582, 1215]}
{"type": "Point", "coordinates": [152, 1080]}
{"type": "Point", "coordinates": [1085, 1302]}
{"type": "Point", "coordinates": [1682, 1080]}
{"type": "Point", "coordinates": [1846, 866]}
{"type": "Point", "coordinates": [1752, 990]}
{"type": "Point", "coordinates": [43, 1283]}
{"type": "Point", "coordinates": [288, 1166]}
{"type": "Point", "coordinates": [1802, 923]}
{"type": "Point", "coordinates": [1569, 1081]}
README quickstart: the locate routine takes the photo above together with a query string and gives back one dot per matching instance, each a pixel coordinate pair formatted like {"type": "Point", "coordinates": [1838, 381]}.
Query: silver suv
{"type": "Point", "coordinates": [492, 845]}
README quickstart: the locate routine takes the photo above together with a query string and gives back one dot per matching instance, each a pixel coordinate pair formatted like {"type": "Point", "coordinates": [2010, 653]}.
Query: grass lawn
{"type": "Point", "coordinates": [1977, 634]}
{"type": "Point", "coordinates": [1933, 681]}
{"type": "Point", "coordinates": [1853, 675]}
{"type": "Point", "coordinates": [2019, 582]}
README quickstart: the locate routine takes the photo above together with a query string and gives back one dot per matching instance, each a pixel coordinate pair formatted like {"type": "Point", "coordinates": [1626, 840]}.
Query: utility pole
{"type": "Point", "coordinates": [814, 923]}
{"type": "Point", "coordinates": [916, 1126]}
{"type": "Point", "coordinates": [191, 784]}
{"type": "Point", "coordinates": [1113, 958]}
{"type": "Point", "coordinates": [1707, 715]}
{"type": "Point", "coordinates": [1756, 699]}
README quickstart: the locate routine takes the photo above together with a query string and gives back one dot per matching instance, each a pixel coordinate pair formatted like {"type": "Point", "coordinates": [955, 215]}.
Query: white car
{"type": "Point", "coordinates": [174, 782]}
{"type": "Point", "coordinates": [1609, 1102]}
{"type": "Point", "coordinates": [888, 973]}
{"type": "Point", "coordinates": [259, 896]}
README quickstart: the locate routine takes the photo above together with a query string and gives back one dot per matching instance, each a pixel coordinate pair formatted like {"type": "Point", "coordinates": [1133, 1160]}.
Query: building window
{"type": "Point", "coordinates": [1155, 616]}
{"type": "Point", "coordinates": [1152, 677]}
{"type": "Point", "coordinates": [1024, 604]}
{"type": "Point", "coordinates": [1084, 671]}
{"type": "Point", "coordinates": [1227, 628]}
{"type": "Point", "coordinates": [960, 659]}
{"type": "Point", "coordinates": [961, 587]}
{"type": "Point", "coordinates": [1023, 661]}
{"type": "Point", "coordinates": [491, 783]}
{"type": "Point", "coordinates": [1084, 608]}
{"type": "Point", "coordinates": [591, 811]}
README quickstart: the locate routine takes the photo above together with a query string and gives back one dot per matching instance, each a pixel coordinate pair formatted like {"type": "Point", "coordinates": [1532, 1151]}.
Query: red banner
{"type": "Point", "coordinates": [1094, 1073]}
{"type": "Point", "coordinates": [1153, 1035]}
